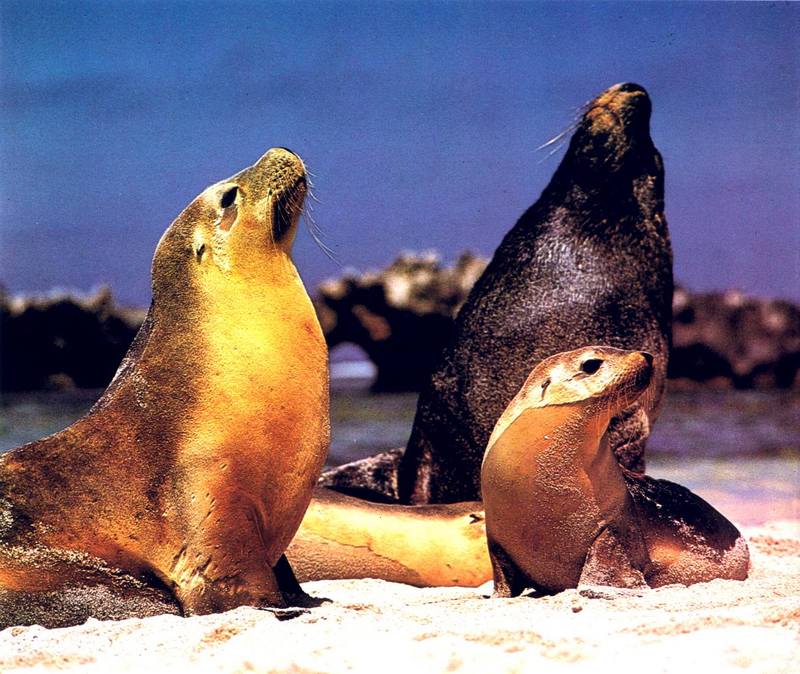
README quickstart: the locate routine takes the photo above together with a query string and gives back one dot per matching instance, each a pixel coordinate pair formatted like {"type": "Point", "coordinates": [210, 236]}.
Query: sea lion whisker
{"type": "Point", "coordinates": [560, 138]}
{"type": "Point", "coordinates": [560, 141]}
{"type": "Point", "coordinates": [555, 150]}
{"type": "Point", "coordinates": [584, 107]}
{"type": "Point", "coordinates": [317, 233]}
{"type": "Point", "coordinates": [554, 139]}
{"type": "Point", "coordinates": [329, 252]}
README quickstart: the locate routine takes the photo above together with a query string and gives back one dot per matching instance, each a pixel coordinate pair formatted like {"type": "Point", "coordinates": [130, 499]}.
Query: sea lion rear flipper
{"type": "Point", "coordinates": [58, 588]}
{"type": "Point", "coordinates": [509, 581]}
{"type": "Point", "coordinates": [607, 563]}
{"type": "Point", "coordinates": [690, 541]}
{"type": "Point", "coordinates": [373, 478]}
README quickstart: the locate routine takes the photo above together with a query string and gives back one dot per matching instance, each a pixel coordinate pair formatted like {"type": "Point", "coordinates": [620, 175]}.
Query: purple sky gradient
{"type": "Point", "coordinates": [420, 122]}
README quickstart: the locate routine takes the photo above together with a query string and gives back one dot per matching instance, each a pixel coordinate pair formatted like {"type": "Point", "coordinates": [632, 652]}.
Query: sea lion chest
{"type": "Point", "coordinates": [260, 416]}
{"type": "Point", "coordinates": [540, 501]}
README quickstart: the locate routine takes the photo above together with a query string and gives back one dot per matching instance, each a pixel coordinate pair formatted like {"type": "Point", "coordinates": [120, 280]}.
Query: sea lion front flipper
{"type": "Point", "coordinates": [628, 433]}
{"type": "Point", "coordinates": [290, 587]}
{"type": "Point", "coordinates": [607, 563]}
{"type": "Point", "coordinates": [210, 580]}
{"type": "Point", "coordinates": [509, 581]}
{"type": "Point", "coordinates": [230, 591]}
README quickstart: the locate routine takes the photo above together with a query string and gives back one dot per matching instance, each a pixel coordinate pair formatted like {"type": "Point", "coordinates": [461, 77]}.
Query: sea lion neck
{"type": "Point", "coordinates": [536, 433]}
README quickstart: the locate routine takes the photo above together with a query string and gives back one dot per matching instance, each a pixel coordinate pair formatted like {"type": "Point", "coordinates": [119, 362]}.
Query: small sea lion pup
{"type": "Point", "coordinates": [182, 487]}
{"type": "Point", "coordinates": [589, 263]}
{"type": "Point", "coordinates": [560, 510]}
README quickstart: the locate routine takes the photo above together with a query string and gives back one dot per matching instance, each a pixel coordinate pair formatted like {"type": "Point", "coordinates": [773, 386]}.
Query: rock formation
{"type": "Point", "coordinates": [400, 316]}
{"type": "Point", "coordinates": [62, 340]}
{"type": "Point", "coordinates": [729, 338]}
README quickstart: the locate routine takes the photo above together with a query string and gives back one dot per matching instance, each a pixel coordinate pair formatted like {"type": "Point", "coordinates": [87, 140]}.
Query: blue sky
{"type": "Point", "coordinates": [420, 122]}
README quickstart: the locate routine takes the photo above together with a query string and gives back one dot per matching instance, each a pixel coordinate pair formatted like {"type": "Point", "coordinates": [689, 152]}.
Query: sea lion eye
{"type": "Point", "coordinates": [591, 365]}
{"type": "Point", "coordinates": [545, 384]}
{"type": "Point", "coordinates": [229, 197]}
{"type": "Point", "coordinates": [199, 251]}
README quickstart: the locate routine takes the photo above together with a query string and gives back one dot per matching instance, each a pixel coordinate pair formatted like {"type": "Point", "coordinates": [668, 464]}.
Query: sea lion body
{"type": "Point", "coordinates": [589, 263]}
{"type": "Point", "coordinates": [560, 511]}
{"type": "Point", "coordinates": [425, 546]}
{"type": "Point", "coordinates": [192, 472]}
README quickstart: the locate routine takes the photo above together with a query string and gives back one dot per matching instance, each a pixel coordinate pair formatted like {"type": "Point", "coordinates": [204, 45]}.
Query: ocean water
{"type": "Point", "coordinates": [738, 449]}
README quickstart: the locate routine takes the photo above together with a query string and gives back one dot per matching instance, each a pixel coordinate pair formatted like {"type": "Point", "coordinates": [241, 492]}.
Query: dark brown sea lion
{"type": "Point", "coordinates": [589, 263]}
{"type": "Point", "coordinates": [560, 510]}
{"type": "Point", "coordinates": [182, 487]}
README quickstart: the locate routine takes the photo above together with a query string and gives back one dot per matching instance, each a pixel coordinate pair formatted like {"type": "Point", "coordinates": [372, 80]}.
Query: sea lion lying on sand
{"type": "Point", "coordinates": [560, 510]}
{"type": "Point", "coordinates": [346, 537]}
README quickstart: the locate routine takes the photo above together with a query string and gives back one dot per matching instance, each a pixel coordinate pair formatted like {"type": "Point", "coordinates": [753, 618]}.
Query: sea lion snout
{"type": "Point", "coordinates": [639, 361]}
{"type": "Point", "coordinates": [642, 369]}
{"type": "Point", "coordinates": [625, 99]}
{"type": "Point", "coordinates": [282, 165]}
{"type": "Point", "coordinates": [629, 88]}
{"type": "Point", "coordinates": [278, 170]}
{"type": "Point", "coordinates": [614, 123]}
{"type": "Point", "coordinates": [272, 193]}
{"type": "Point", "coordinates": [286, 149]}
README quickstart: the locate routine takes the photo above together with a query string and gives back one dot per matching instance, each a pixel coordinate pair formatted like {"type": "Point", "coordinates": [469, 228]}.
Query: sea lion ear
{"type": "Point", "coordinates": [545, 384]}
{"type": "Point", "coordinates": [198, 247]}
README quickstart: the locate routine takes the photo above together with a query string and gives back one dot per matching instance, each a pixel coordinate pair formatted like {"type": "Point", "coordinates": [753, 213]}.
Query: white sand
{"type": "Point", "coordinates": [374, 626]}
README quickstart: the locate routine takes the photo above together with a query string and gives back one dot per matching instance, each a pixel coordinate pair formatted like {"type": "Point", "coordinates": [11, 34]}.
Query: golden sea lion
{"type": "Point", "coordinates": [346, 537]}
{"type": "Point", "coordinates": [560, 510]}
{"type": "Point", "coordinates": [182, 487]}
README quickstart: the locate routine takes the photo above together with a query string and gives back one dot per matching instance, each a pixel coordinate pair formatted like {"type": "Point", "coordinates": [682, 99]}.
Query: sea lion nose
{"type": "Point", "coordinates": [631, 88]}
{"type": "Point", "coordinates": [648, 357]}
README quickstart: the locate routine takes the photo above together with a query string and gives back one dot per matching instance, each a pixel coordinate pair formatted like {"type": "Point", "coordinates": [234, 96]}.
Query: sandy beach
{"type": "Point", "coordinates": [372, 625]}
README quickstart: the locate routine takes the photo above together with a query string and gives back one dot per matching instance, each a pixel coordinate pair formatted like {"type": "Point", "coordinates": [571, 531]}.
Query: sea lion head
{"type": "Point", "coordinates": [243, 226]}
{"type": "Point", "coordinates": [615, 377]}
{"type": "Point", "coordinates": [612, 139]}
{"type": "Point", "coordinates": [592, 383]}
